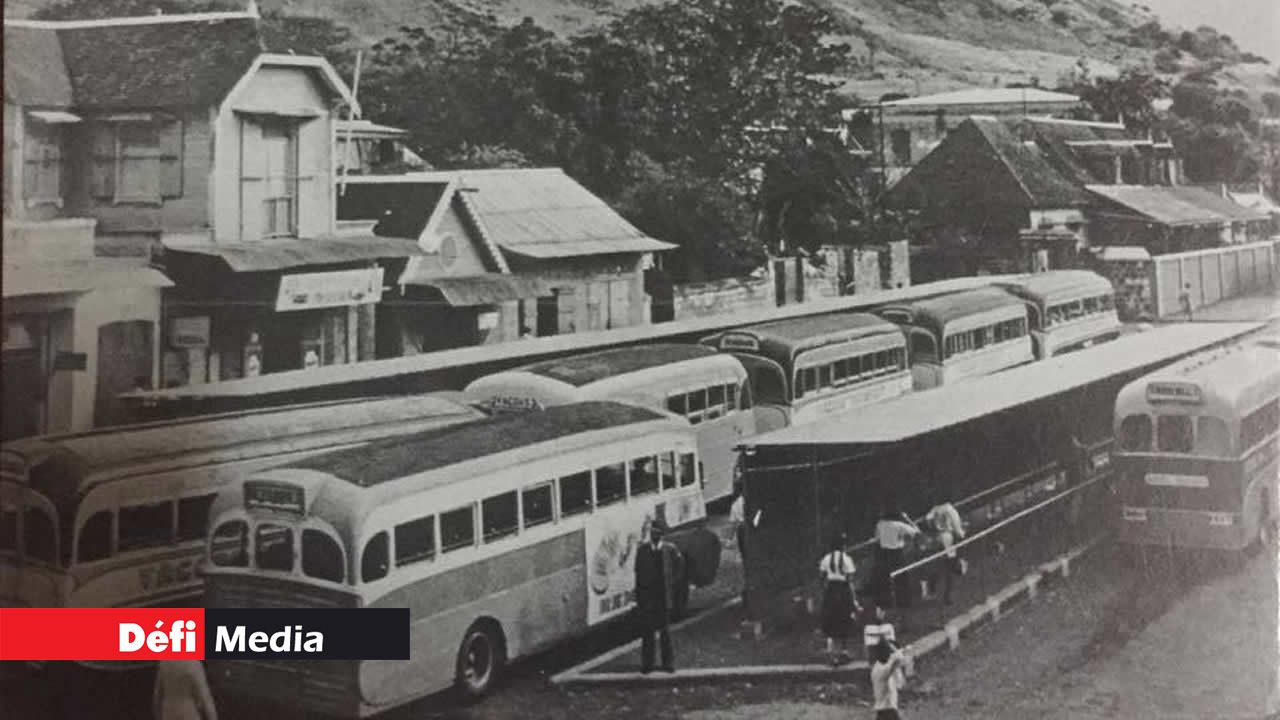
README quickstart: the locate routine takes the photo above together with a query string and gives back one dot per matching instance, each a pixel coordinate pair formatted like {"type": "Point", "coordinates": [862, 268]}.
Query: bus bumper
{"type": "Point", "coordinates": [1214, 531]}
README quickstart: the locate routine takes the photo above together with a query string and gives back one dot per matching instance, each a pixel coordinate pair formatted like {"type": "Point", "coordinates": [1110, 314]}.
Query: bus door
{"type": "Point", "coordinates": [926, 358]}
{"type": "Point", "coordinates": [767, 386]}
{"type": "Point", "coordinates": [29, 572]}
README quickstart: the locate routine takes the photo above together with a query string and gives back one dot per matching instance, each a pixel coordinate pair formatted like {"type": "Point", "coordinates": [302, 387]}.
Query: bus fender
{"type": "Point", "coordinates": [701, 550]}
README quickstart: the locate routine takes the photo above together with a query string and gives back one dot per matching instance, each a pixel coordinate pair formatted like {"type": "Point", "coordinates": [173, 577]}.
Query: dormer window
{"type": "Point", "coordinates": [280, 178]}
{"type": "Point", "coordinates": [42, 163]}
{"type": "Point", "coordinates": [137, 158]}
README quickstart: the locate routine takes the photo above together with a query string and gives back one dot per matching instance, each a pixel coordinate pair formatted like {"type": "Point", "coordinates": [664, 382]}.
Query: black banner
{"type": "Point", "coordinates": [307, 634]}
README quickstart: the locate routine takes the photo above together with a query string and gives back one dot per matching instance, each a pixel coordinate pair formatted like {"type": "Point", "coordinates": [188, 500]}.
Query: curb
{"type": "Point", "coordinates": [989, 610]}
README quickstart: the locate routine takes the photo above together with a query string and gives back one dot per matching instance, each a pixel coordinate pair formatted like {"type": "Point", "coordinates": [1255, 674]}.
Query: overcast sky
{"type": "Point", "coordinates": [1253, 24]}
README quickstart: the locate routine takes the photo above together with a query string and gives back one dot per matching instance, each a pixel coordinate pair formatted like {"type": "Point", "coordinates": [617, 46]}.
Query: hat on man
{"type": "Point", "coordinates": [658, 526]}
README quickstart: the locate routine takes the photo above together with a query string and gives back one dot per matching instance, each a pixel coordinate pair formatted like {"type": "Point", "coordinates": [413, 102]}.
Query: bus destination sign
{"type": "Point", "coordinates": [1173, 392]}
{"type": "Point", "coordinates": [261, 495]}
{"type": "Point", "coordinates": [739, 342]}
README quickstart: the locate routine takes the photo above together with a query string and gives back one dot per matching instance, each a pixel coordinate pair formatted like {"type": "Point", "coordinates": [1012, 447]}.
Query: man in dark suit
{"type": "Point", "coordinates": [658, 569]}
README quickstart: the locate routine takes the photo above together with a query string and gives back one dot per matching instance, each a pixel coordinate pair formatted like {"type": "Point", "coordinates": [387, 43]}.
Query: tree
{"type": "Point", "coordinates": [1127, 97]}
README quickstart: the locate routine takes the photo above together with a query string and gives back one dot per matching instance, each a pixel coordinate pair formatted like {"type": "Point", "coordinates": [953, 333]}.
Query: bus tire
{"type": "Point", "coordinates": [481, 658]}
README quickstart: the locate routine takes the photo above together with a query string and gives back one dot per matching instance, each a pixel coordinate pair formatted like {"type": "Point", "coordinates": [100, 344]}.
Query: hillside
{"type": "Point", "coordinates": [910, 46]}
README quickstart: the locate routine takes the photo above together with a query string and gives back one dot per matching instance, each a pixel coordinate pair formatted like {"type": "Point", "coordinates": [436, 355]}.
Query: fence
{"type": "Point", "coordinates": [1209, 276]}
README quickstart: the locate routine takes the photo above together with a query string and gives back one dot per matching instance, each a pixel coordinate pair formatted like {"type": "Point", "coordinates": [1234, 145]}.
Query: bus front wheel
{"type": "Point", "coordinates": [480, 660]}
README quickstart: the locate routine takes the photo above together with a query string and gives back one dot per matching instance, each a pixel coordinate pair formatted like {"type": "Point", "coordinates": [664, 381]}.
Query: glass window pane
{"type": "Point", "coordinates": [667, 470]}
{"type": "Point", "coordinates": [677, 404]}
{"type": "Point", "coordinates": [839, 371]}
{"type": "Point", "coordinates": [575, 494]}
{"type": "Point", "coordinates": [273, 548]}
{"type": "Point", "coordinates": [688, 469]}
{"type": "Point", "coordinates": [824, 376]}
{"type": "Point", "coordinates": [322, 556]}
{"type": "Point", "coordinates": [193, 517]}
{"type": "Point", "coordinates": [715, 395]}
{"type": "Point", "coordinates": [144, 526]}
{"type": "Point", "coordinates": [457, 529]}
{"type": "Point", "coordinates": [644, 476]}
{"type": "Point", "coordinates": [1213, 439]}
{"type": "Point", "coordinates": [537, 505]}
{"type": "Point", "coordinates": [38, 536]}
{"type": "Point", "coordinates": [697, 400]}
{"type": "Point", "coordinates": [416, 540]}
{"type": "Point", "coordinates": [731, 397]}
{"type": "Point", "coordinates": [611, 484]}
{"type": "Point", "coordinates": [500, 516]}
{"type": "Point", "coordinates": [810, 379]}
{"type": "Point", "coordinates": [375, 561]}
{"type": "Point", "coordinates": [1135, 433]}
{"type": "Point", "coordinates": [229, 547]}
{"type": "Point", "coordinates": [1174, 434]}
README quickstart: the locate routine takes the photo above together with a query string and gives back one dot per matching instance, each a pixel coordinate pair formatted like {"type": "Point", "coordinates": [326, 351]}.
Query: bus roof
{"type": "Point", "coordinates": [941, 310]}
{"type": "Point", "coordinates": [96, 455]}
{"type": "Point", "coordinates": [418, 453]}
{"type": "Point", "coordinates": [786, 337]}
{"type": "Point", "coordinates": [1232, 376]}
{"type": "Point", "coordinates": [1060, 284]}
{"type": "Point", "coordinates": [582, 370]}
{"type": "Point", "coordinates": [925, 412]}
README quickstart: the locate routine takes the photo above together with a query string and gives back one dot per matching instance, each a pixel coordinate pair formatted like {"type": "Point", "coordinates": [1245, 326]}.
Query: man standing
{"type": "Point", "coordinates": [945, 521]}
{"type": "Point", "coordinates": [886, 678]}
{"type": "Point", "coordinates": [737, 518]}
{"type": "Point", "coordinates": [657, 572]}
{"type": "Point", "coordinates": [892, 533]}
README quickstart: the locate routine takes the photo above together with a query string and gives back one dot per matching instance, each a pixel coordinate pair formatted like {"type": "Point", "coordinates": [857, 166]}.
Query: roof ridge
{"type": "Point", "coordinates": [128, 21]}
{"type": "Point", "coordinates": [1013, 171]}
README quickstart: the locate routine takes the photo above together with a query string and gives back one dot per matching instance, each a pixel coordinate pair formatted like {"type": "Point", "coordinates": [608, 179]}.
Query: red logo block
{"type": "Point", "coordinates": [101, 634]}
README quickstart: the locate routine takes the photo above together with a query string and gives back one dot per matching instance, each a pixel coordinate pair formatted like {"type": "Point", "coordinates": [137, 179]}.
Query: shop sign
{"type": "Point", "coordinates": [189, 332]}
{"type": "Point", "coordinates": [329, 289]}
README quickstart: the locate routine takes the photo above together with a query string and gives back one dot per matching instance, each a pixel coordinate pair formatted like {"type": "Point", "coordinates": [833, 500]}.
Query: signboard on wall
{"type": "Point", "coordinates": [189, 332]}
{"type": "Point", "coordinates": [310, 291]}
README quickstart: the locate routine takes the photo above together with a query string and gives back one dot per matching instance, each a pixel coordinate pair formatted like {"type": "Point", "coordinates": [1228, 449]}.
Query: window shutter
{"type": "Point", "coordinates": [102, 180]}
{"type": "Point", "coordinates": [171, 138]}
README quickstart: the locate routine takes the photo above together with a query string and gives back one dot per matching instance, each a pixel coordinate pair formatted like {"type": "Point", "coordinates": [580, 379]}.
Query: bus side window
{"type": "Point", "coordinates": [375, 560]}
{"type": "Point", "coordinates": [611, 484]}
{"type": "Point", "coordinates": [322, 556]}
{"type": "Point", "coordinates": [644, 476]}
{"type": "Point", "coordinates": [575, 494]}
{"type": "Point", "coordinates": [1213, 439]}
{"type": "Point", "coordinates": [730, 397]}
{"type": "Point", "coordinates": [537, 505]}
{"type": "Point", "coordinates": [1135, 433]}
{"type": "Point", "coordinates": [688, 470]}
{"type": "Point", "coordinates": [715, 402]}
{"type": "Point", "coordinates": [1259, 424]}
{"type": "Point", "coordinates": [193, 517]}
{"type": "Point", "coordinates": [667, 470]}
{"type": "Point", "coordinates": [415, 540]}
{"type": "Point", "coordinates": [229, 547]}
{"type": "Point", "coordinates": [458, 529]}
{"type": "Point", "coordinates": [38, 537]}
{"type": "Point", "coordinates": [145, 526]}
{"type": "Point", "coordinates": [499, 516]}
{"type": "Point", "coordinates": [697, 404]}
{"type": "Point", "coordinates": [839, 372]}
{"type": "Point", "coordinates": [677, 404]}
{"type": "Point", "coordinates": [8, 528]}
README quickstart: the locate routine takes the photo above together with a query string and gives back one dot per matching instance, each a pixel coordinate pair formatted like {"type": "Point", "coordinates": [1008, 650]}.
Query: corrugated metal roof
{"type": "Point", "coordinates": [474, 290]}
{"type": "Point", "coordinates": [1042, 182]}
{"type": "Point", "coordinates": [932, 410]}
{"type": "Point", "coordinates": [1180, 205]}
{"type": "Point", "coordinates": [580, 370]}
{"type": "Point", "coordinates": [78, 276]}
{"type": "Point", "coordinates": [544, 213]}
{"type": "Point", "coordinates": [34, 70]}
{"type": "Point", "coordinates": [1058, 283]}
{"type": "Point", "coordinates": [281, 254]}
{"type": "Point", "coordinates": [986, 96]}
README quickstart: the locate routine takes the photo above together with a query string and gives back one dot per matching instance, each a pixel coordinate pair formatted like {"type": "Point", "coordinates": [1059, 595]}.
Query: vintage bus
{"type": "Point", "coordinates": [695, 382]}
{"type": "Point", "coordinates": [503, 536]}
{"type": "Point", "coordinates": [119, 517]}
{"type": "Point", "coordinates": [962, 335]}
{"type": "Point", "coordinates": [807, 368]}
{"type": "Point", "coordinates": [1069, 310]}
{"type": "Point", "coordinates": [1196, 450]}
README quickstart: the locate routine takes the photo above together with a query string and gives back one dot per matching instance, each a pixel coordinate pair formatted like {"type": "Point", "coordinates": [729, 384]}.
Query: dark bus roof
{"type": "Point", "coordinates": [785, 338]}
{"type": "Point", "coordinates": [418, 453]}
{"type": "Point", "coordinates": [1068, 284]}
{"type": "Point", "coordinates": [582, 370]}
{"type": "Point", "coordinates": [937, 312]}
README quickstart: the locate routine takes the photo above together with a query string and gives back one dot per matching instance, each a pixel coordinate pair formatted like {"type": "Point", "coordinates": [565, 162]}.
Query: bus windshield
{"type": "Point", "coordinates": [1201, 435]}
{"type": "Point", "coordinates": [271, 546]}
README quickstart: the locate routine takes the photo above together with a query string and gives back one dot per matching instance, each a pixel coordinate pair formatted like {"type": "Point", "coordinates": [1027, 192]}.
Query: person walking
{"type": "Point", "coordinates": [877, 630]}
{"type": "Point", "coordinates": [948, 527]}
{"type": "Point", "coordinates": [892, 533]}
{"type": "Point", "coordinates": [182, 692]}
{"type": "Point", "coordinates": [658, 569]}
{"type": "Point", "coordinates": [835, 570]}
{"type": "Point", "coordinates": [887, 672]}
{"type": "Point", "coordinates": [737, 518]}
{"type": "Point", "coordinates": [1185, 299]}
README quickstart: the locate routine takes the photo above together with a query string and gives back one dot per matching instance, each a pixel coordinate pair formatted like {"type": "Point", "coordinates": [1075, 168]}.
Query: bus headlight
{"type": "Point", "coordinates": [1134, 514]}
{"type": "Point", "coordinates": [1222, 519]}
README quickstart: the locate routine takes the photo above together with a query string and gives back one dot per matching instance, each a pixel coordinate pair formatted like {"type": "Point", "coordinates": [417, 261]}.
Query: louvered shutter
{"type": "Point", "coordinates": [102, 171]}
{"type": "Point", "coordinates": [171, 137]}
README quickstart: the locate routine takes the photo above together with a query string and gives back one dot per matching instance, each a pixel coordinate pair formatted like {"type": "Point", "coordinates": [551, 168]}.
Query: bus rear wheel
{"type": "Point", "coordinates": [481, 657]}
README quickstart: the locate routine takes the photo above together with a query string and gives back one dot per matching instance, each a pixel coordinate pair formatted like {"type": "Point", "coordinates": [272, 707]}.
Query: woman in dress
{"type": "Point", "coordinates": [836, 572]}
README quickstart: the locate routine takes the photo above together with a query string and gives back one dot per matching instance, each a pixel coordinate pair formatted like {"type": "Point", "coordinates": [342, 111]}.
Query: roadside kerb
{"type": "Point", "coordinates": [988, 610]}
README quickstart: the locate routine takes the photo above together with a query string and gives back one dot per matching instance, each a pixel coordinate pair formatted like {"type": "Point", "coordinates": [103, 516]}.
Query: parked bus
{"type": "Point", "coordinates": [1197, 451]}
{"type": "Point", "coordinates": [695, 382]}
{"type": "Point", "coordinates": [811, 367]}
{"type": "Point", "coordinates": [503, 536]}
{"type": "Point", "coordinates": [1070, 310]}
{"type": "Point", "coordinates": [118, 517]}
{"type": "Point", "coordinates": [962, 335]}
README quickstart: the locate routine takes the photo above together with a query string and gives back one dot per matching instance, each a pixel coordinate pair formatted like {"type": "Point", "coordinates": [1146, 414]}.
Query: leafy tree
{"type": "Point", "coordinates": [1128, 97]}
